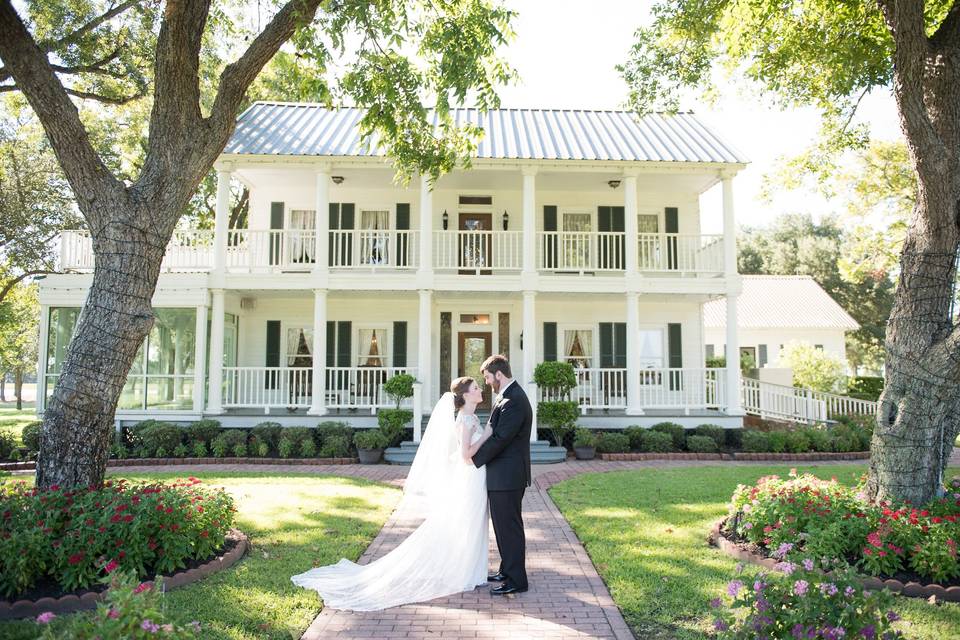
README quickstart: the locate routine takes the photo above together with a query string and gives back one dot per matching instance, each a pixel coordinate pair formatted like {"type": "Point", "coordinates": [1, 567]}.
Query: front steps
{"type": "Point", "coordinates": [540, 453]}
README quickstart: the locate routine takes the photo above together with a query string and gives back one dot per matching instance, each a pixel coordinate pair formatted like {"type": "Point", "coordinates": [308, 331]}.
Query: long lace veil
{"type": "Point", "coordinates": [435, 463]}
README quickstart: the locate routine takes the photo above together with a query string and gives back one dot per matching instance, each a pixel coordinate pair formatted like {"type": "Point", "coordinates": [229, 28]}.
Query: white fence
{"type": "Point", "coordinates": [682, 253]}
{"type": "Point", "coordinates": [664, 388]}
{"type": "Point", "coordinates": [799, 405]}
{"type": "Point", "coordinates": [478, 252]}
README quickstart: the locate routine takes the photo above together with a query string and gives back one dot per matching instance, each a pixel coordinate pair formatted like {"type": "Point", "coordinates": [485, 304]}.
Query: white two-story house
{"type": "Point", "coordinates": [575, 235]}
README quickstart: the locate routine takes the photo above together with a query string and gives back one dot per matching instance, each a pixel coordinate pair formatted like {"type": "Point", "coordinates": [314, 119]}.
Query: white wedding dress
{"type": "Point", "coordinates": [446, 554]}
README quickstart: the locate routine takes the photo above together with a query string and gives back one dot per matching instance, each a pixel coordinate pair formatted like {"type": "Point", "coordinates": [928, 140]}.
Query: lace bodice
{"type": "Point", "coordinates": [473, 422]}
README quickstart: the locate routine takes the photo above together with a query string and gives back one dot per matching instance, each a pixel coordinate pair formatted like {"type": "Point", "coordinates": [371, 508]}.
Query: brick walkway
{"type": "Point", "coordinates": [567, 598]}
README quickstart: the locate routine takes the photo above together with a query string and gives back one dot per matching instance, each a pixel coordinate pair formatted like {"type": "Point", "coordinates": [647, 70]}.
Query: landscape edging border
{"type": "Point", "coordinates": [19, 609]}
{"type": "Point", "coordinates": [769, 457]}
{"type": "Point", "coordinates": [910, 589]}
{"type": "Point", "coordinates": [158, 462]}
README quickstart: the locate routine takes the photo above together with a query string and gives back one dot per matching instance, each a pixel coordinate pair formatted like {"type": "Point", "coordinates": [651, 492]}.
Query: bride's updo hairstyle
{"type": "Point", "coordinates": [459, 388]}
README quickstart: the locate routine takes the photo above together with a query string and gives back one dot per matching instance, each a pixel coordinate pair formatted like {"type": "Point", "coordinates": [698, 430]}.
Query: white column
{"type": "Point", "coordinates": [200, 358]}
{"type": "Point", "coordinates": [733, 357]}
{"type": "Point", "coordinates": [317, 387]}
{"type": "Point", "coordinates": [634, 403]}
{"type": "Point", "coordinates": [532, 396]}
{"type": "Point", "coordinates": [426, 231]}
{"type": "Point", "coordinates": [529, 220]}
{"type": "Point", "coordinates": [729, 230]}
{"type": "Point", "coordinates": [630, 228]}
{"type": "Point", "coordinates": [221, 220]}
{"type": "Point", "coordinates": [417, 412]}
{"type": "Point", "coordinates": [322, 222]}
{"type": "Point", "coordinates": [42, 342]}
{"type": "Point", "coordinates": [215, 395]}
{"type": "Point", "coordinates": [529, 337]}
{"type": "Point", "coordinates": [424, 351]}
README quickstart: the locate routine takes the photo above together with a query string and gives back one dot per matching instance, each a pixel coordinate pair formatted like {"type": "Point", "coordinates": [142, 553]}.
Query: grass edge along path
{"type": "Point", "coordinates": [294, 522]}
{"type": "Point", "coordinates": [645, 531]}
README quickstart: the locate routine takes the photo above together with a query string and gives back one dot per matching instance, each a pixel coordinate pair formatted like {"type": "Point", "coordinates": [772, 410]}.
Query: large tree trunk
{"type": "Point", "coordinates": [18, 388]}
{"type": "Point", "coordinates": [116, 317]}
{"type": "Point", "coordinates": [918, 417]}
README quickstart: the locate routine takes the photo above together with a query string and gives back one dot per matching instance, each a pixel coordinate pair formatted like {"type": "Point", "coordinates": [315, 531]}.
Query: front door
{"type": "Point", "coordinates": [474, 251]}
{"type": "Point", "coordinates": [474, 348]}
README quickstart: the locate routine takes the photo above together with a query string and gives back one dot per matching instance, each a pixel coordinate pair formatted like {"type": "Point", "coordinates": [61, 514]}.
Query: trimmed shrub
{"type": "Point", "coordinates": [711, 431]}
{"type": "Point", "coordinates": [560, 416]}
{"type": "Point", "coordinates": [335, 446]}
{"type": "Point", "coordinates": [326, 430]}
{"type": "Point", "coordinates": [154, 435]}
{"type": "Point", "coordinates": [203, 430]}
{"type": "Point", "coordinates": [734, 438]}
{"type": "Point", "coordinates": [844, 438]}
{"type": "Point", "coordinates": [118, 451]}
{"type": "Point", "coordinates": [369, 439]}
{"type": "Point", "coordinates": [235, 437]}
{"type": "Point", "coordinates": [286, 447]}
{"type": "Point", "coordinates": [180, 451]}
{"type": "Point", "coordinates": [701, 444]}
{"type": "Point", "coordinates": [160, 453]}
{"type": "Point", "coordinates": [586, 438]}
{"type": "Point", "coordinates": [797, 441]}
{"type": "Point", "coordinates": [393, 422]}
{"type": "Point", "coordinates": [7, 443]}
{"type": "Point", "coordinates": [308, 448]}
{"type": "Point", "coordinates": [777, 441]}
{"type": "Point", "coordinates": [240, 450]}
{"type": "Point", "coordinates": [399, 387]}
{"type": "Point", "coordinates": [612, 442]}
{"type": "Point", "coordinates": [819, 437]}
{"type": "Point", "coordinates": [267, 433]}
{"type": "Point", "coordinates": [755, 441]}
{"type": "Point", "coordinates": [636, 437]}
{"type": "Point", "coordinates": [677, 433]}
{"type": "Point", "coordinates": [656, 442]}
{"type": "Point", "coordinates": [296, 434]}
{"type": "Point", "coordinates": [30, 435]}
{"type": "Point", "coordinates": [219, 446]}
{"type": "Point", "coordinates": [262, 450]}
{"type": "Point", "coordinates": [200, 449]}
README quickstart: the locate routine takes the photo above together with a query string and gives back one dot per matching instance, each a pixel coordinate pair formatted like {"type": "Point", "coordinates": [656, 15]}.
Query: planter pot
{"type": "Point", "coordinates": [585, 453]}
{"type": "Point", "coordinates": [370, 456]}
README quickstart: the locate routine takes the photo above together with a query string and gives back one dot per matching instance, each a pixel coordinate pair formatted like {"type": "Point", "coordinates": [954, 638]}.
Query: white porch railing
{"type": "Point", "coordinates": [580, 251]}
{"type": "Point", "coordinates": [266, 387]}
{"type": "Point", "coordinates": [665, 388]}
{"type": "Point", "coordinates": [478, 252]}
{"type": "Point", "coordinates": [188, 250]}
{"type": "Point", "coordinates": [799, 405]}
{"type": "Point", "coordinates": [681, 253]}
{"type": "Point", "coordinates": [362, 387]}
{"type": "Point", "coordinates": [374, 248]}
{"type": "Point", "coordinates": [270, 250]}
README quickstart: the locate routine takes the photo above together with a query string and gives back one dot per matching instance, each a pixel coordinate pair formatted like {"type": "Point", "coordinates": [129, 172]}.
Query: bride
{"type": "Point", "coordinates": [447, 553]}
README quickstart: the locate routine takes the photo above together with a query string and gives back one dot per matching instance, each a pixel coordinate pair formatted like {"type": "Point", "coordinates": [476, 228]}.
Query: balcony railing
{"type": "Point", "coordinates": [801, 405]}
{"type": "Point", "coordinates": [275, 387]}
{"type": "Point", "coordinates": [662, 388]}
{"type": "Point", "coordinates": [457, 251]}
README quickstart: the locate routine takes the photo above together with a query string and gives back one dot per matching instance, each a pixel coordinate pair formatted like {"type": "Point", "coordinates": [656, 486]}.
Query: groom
{"type": "Point", "coordinates": [507, 456]}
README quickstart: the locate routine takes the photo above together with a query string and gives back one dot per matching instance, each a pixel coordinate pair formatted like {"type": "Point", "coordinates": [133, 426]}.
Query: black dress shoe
{"type": "Point", "coordinates": [505, 589]}
{"type": "Point", "coordinates": [496, 577]}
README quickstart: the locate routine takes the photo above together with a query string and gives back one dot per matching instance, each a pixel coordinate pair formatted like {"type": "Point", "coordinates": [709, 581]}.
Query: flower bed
{"type": "Point", "coordinates": [805, 517]}
{"type": "Point", "coordinates": [70, 539]}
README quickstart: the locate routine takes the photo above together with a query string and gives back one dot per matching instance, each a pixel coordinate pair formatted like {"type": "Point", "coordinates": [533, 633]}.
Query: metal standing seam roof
{"type": "Point", "coordinates": [303, 129]}
{"type": "Point", "coordinates": [781, 301]}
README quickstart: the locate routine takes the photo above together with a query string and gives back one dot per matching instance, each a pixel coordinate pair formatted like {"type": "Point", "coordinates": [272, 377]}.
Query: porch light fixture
{"type": "Point", "coordinates": [337, 179]}
{"type": "Point", "coordinates": [613, 183]}
{"type": "Point", "coordinates": [506, 220]}
{"type": "Point", "coordinates": [446, 219]}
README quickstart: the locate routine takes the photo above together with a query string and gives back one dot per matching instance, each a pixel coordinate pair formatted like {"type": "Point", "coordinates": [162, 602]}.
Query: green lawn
{"type": "Point", "coordinates": [14, 420]}
{"type": "Point", "coordinates": [295, 522]}
{"type": "Point", "coordinates": [645, 531]}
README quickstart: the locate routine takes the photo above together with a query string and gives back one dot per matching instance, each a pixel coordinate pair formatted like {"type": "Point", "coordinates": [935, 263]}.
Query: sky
{"type": "Point", "coordinates": [566, 52]}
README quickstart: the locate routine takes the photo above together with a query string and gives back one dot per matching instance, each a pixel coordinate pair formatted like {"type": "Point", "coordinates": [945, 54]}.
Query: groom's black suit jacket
{"type": "Point", "coordinates": [507, 452]}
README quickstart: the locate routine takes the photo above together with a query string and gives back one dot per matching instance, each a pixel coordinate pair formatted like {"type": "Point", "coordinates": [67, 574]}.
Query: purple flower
{"type": "Point", "coordinates": [892, 616]}
{"type": "Point", "coordinates": [720, 625]}
{"type": "Point", "coordinates": [759, 585]}
{"type": "Point", "coordinates": [715, 603]}
{"type": "Point", "coordinates": [783, 550]}
{"type": "Point", "coordinates": [833, 633]}
{"type": "Point", "coordinates": [786, 567]}
{"type": "Point", "coordinates": [149, 625]}
{"type": "Point", "coordinates": [762, 604]}
{"type": "Point", "coordinates": [849, 591]}
{"type": "Point", "coordinates": [828, 588]}
{"type": "Point", "coordinates": [869, 632]}
{"type": "Point", "coordinates": [797, 631]}
{"type": "Point", "coordinates": [46, 617]}
{"type": "Point", "coordinates": [800, 587]}
{"type": "Point", "coordinates": [808, 564]}
{"type": "Point", "coordinates": [734, 587]}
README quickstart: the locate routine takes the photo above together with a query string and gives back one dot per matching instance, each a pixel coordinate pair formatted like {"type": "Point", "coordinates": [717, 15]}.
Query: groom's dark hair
{"type": "Point", "coordinates": [497, 363]}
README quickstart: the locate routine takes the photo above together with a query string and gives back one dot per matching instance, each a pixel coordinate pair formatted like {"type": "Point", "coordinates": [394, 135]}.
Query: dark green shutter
{"type": "Point", "coordinates": [403, 239]}
{"type": "Point", "coordinates": [273, 353]}
{"type": "Point", "coordinates": [550, 252]}
{"type": "Point", "coordinates": [620, 345]}
{"type": "Point", "coordinates": [606, 345]}
{"type": "Point", "coordinates": [276, 224]}
{"type": "Point", "coordinates": [331, 343]}
{"type": "Point", "coordinates": [549, 342]}
{"type": "Point", "coordinates": [341, 219]}
{"type": "Point", "coordinates": [671, 225]}
{"type": "Point", "coordinates": [334, 225]}
{"type": "Point", "coordinates": [399, 344]}
{"type": "Point", "coordinates": [674, 354]}
{"type": "Point", "coordinates": [617, 215]}
{"type": "Point", "coordinates": [611, 249]}
{"type": "Point", "coordinates": [761, 355]}
{"type": "Point", "coordinates": [344, 338]}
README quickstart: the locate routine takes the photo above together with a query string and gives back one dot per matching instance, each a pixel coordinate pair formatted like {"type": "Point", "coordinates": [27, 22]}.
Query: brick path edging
{"type": "Point", "coordinates": [910, 589]}
{"type": "Point", "coordinates": [88, 600]}
{"type": "Point", "coordinates": [739, 455]}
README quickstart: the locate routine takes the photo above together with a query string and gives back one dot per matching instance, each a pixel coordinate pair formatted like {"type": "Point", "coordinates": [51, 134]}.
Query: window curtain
{"type": "Point", "coordinates": [576, 248]}
{"type": "Point", "coordinates": [373, 348]}
{"type": "Point", "coordinates": [374, 236]}
{"type": "Point", "coordinates": [302, 224]}
{"type": "Point", "coordinates": [578, 347]}
{"type": "Point", "coordinates": [648, 223]}
{"type": "Point", "coordinates": [299, 344]}
{"type": "Point", "coordinates": [651, 348]}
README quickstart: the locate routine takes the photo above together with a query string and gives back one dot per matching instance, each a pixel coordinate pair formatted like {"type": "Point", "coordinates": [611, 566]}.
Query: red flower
{"type": "Point", "coordinates": [55, 487]}
{"type": "Point", "coordinates": [111, 566]}
{"type": "Point", "coordinates": [143, 586]}
{"type": "Point", "coordinates": [75, 558]}
{"type": "Point", "coordinates": [128, 518]}
{"type": "Point", "coordinates": [116, 517]}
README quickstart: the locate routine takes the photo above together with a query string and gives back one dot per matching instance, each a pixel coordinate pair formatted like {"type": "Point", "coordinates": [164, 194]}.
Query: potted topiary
{"type": "Point", "coordinates": [392, 422]}
{"type": "Point", "coordinates": [370, 445]}
{"type": "Point", "coordinates": [584, 444]}
{"type": "Point", "coordinates": [557, 411]}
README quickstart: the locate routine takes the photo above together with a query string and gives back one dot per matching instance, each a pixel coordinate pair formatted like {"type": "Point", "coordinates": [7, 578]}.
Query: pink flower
{"type": "Point", "coordinates": [149, 625]}
{"type": "Point", "coordinates": [111, 566]}
{"type": "Point", "coordinates": [734, 587]}
{"type": "Point", "coordinates": [143, 586]}
{"type": "Point", "coordinates": [808, 564]}
{"type": "Point", "coordinates": [113, 614]}
{"type": "Point", "coordinates": [46, 617]}
{"type": "Point", "coordinates": [800, 587]}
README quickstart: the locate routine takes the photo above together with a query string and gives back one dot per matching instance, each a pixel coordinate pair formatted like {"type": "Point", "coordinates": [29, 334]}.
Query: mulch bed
{"type": "Point", "coordinates": [771, 457]}
{"type": "Point", "coordinates": [905, 583]}
{"type": "Point", "coordinates": [160, 462]}
{"type": "Point", "coordinates": [47, 596]}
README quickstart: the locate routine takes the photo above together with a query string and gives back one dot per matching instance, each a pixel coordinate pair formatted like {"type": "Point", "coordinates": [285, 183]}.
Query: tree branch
{"type": "Point", "coordinates": [86, 95]}
{"type": "Point", "coordinates": [75, 35]}
{"type": "Point", "coordinates": [948, 33]}
{"type": "Point", "coordinates": [28, 64]}
{"type": "Point", "coordinates": [12, 283]}
{"type": "Point", "coordinates": [93, 67]}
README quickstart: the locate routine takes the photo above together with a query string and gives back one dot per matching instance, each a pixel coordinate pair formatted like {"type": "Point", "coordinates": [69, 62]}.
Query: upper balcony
{"type": "Point", "coordinates": [459, 252]}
